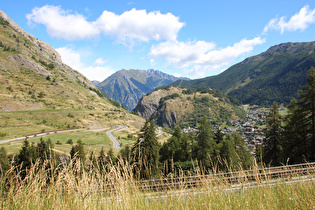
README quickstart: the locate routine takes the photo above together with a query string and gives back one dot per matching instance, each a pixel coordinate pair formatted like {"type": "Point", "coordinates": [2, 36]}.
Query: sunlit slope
{"type": "Point", "coordinates": [39, 92]}
{"type": "Point", "coordinates": [274, 75]}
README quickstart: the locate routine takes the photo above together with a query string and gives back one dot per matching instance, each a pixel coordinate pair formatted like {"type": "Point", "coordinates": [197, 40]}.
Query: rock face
{"type": "Point", "coordinates": [128, 86]}
{"type": "Point", "coordinates": [149, 104]}
{"type": "Point", "coordinates": [274, 75]}
{"type": "Point", "coordinates": [171, 106]}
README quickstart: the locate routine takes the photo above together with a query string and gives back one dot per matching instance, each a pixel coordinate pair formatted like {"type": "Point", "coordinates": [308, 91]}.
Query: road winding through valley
{"type": "Point", "coordinates": [113, 138]}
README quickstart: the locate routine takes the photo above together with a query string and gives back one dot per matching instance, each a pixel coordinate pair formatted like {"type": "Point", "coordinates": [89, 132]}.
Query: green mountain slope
{"type": "Point", "coordinates": [172, 106]}
{"type": "Point", "coordinates": [128, 86]}
{"type": "Point", "coordinates": [38, 92]}
{"type": "Point", "coordinates": [274, 75]}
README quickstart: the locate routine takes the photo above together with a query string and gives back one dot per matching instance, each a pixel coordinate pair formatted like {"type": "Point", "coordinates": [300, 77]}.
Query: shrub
{"type": "Point", "coordinates": [41, 94]}
{"type": "Point", "coordinates": [69, 141]}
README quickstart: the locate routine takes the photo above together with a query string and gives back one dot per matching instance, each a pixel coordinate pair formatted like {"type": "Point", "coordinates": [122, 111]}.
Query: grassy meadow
{"type": "Point", "coordinates": [93, 141]}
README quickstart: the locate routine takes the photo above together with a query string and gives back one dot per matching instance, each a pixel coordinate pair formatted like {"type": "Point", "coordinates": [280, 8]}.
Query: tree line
{"type": "Point", "coordinates": [291, 138]}
{"type": "Point", "coordinates": [183, 152]}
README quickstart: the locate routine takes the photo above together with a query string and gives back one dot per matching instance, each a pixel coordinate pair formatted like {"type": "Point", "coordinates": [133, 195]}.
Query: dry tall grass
{"type": "Point", "coordinates": [74, 187]}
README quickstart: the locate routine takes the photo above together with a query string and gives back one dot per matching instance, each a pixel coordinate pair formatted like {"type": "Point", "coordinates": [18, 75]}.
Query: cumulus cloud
{"type": "Point", "coordinates": [140, 25]}
{"type": "Point", "coordinates": [200, 57]}
{"type": "Point", "coordinates": [300, 21]}
{"type": "Point", "coordinates": [62, 24]}
{"type": "Point", "coordinates": [129, 27]}
{"type": "Point", "coordinates": [73, 59]}
{"type": "Point", "coordinates": [99, 62]}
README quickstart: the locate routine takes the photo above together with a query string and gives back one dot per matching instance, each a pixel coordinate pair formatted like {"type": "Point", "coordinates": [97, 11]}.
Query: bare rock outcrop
{"type": "Point", "coordinates": [148, 105]}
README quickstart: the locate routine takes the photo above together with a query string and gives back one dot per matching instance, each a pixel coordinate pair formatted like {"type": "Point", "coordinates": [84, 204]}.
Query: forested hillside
{"type": "Point", "coordinates": [274, 75]}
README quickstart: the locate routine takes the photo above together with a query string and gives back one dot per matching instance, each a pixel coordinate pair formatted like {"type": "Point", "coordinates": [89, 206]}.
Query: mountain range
{"type": "Point", "coordinates": [274, 75]}
{"type": "Point", "coordinates": [128, 86]}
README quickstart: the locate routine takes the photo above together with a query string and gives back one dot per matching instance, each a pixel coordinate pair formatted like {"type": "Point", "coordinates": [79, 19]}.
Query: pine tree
{"type": "Point", "coordinates": [272, 147]}
{"type": "Point", "coordinates": [78, 151]}
{"type": "Point", "coordinates": [234, 154]}
{"type": "Point", "coordinates": [307, 95]}
{"type": "Point", "coordinates": [101, 160]}
{"type": "Point", "coordinates": [125, 154]}
{"type": "Point", "coordinates": [243, 154]}
{"type": "Point", "coordinates": [146, 151]}
{"type": "Point", "coordinates": [206, 146]}
{"type": "Point", "coordinates": [93, 161]}
{"type": "Point", "coordinates": [295, 142]}
{"type": "Point", "coordinates": [110, 158]}
{"type": "Point", "coordinates": [4, 162]}
{"type": "Point", "coordinates": [228, 152]}
{"type": "Point", "coordinates": [27, 154]}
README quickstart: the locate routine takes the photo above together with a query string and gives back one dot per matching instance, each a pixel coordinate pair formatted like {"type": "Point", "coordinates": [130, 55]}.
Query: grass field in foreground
{"type": "Point", "coordinates": [73, 188]}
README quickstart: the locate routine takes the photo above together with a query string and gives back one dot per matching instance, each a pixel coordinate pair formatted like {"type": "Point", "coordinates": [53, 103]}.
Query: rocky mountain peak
{"type": "Point", "coordinates": [128, 86]}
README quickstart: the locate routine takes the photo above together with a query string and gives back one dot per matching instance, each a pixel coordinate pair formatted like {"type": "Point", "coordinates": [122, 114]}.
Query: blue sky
{"type": "Point", "coordinates": [184, 38]}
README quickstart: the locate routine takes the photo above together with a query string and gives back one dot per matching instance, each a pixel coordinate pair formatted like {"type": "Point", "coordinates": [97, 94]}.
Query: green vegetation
{"type": "Point", "coordinates": [98, 92]}
{"type": "Point", "coordinates": [146, 152]}
{"type": "Point", "coordinates": [292, 139]}
{"type": "Point", "coordinates": [173, 96]}
{"type": "Point", "coordinates": [193, 104]}
{"type": "Point", "coordinates": [3, 22]}
{"type": "Point", "coordinates": [272, 76]}
{"type": "Point", "coordinates": [93, 141]}
{"type": "Point", "coordinates": [49, 65]}
{"type": "Point", "coordinates": [211, 152]}
{"type": "Point", "coordinates": [185, 107]}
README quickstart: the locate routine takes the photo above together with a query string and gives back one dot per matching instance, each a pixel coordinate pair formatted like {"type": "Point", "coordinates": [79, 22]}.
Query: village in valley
{"type": "Point", "coordinates": [251, 128]}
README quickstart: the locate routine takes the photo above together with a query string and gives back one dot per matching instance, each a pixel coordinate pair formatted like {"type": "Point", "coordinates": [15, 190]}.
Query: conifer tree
{"type": "Point", "coordinates": [271, 147]}
{"type": "Point", "coordinates": [206, 145]}
{"type": "Point", "coordinates": [92, 159]}
{"type": "Point", "coordinates": [101, 160]}
{"type": "Point", "coordinates": [295, 142]}
{"type": "Point", "coordinates": [78, 151]}
{"type": "Point", "coordinates": [146, 151]}
{"type": "Point", "coordinates": [228, 152]}
{"type": "Point", "coordinates": [4, 162]}
{"type": "Point", "coordinates": [125, 154]}
{"type": "Point", "coordinates": [110, 158]}
{"type": "Point", "coordinates": [27, 154]}
{"type": "Point", "coordinates": [307, 95]}
{"type": "Point", "coordinates": [243, 154]}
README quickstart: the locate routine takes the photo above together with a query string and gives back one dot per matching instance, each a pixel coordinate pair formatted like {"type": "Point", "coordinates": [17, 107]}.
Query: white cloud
{"type": "Point", "coordinates": [73, 59]}
{"type": "Point", "coordinates": [127, 28]}
{"type": "Point", "coordinates": [199, 57]}
{"type": "Point", "coordinates": [99, 62]}
{"type": "Point", "coordinates": [139, 25]}
{"type": "Point", "coordinates": [300, 21]}
{"type": "Point", "coordinates": [152, 62]}
{"type": "Point", "coordinates": [70, 57]}
{"type": "Point", "coordinates": [177, 74]}
{"type": "Point", "coordinates": [62, 24]}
